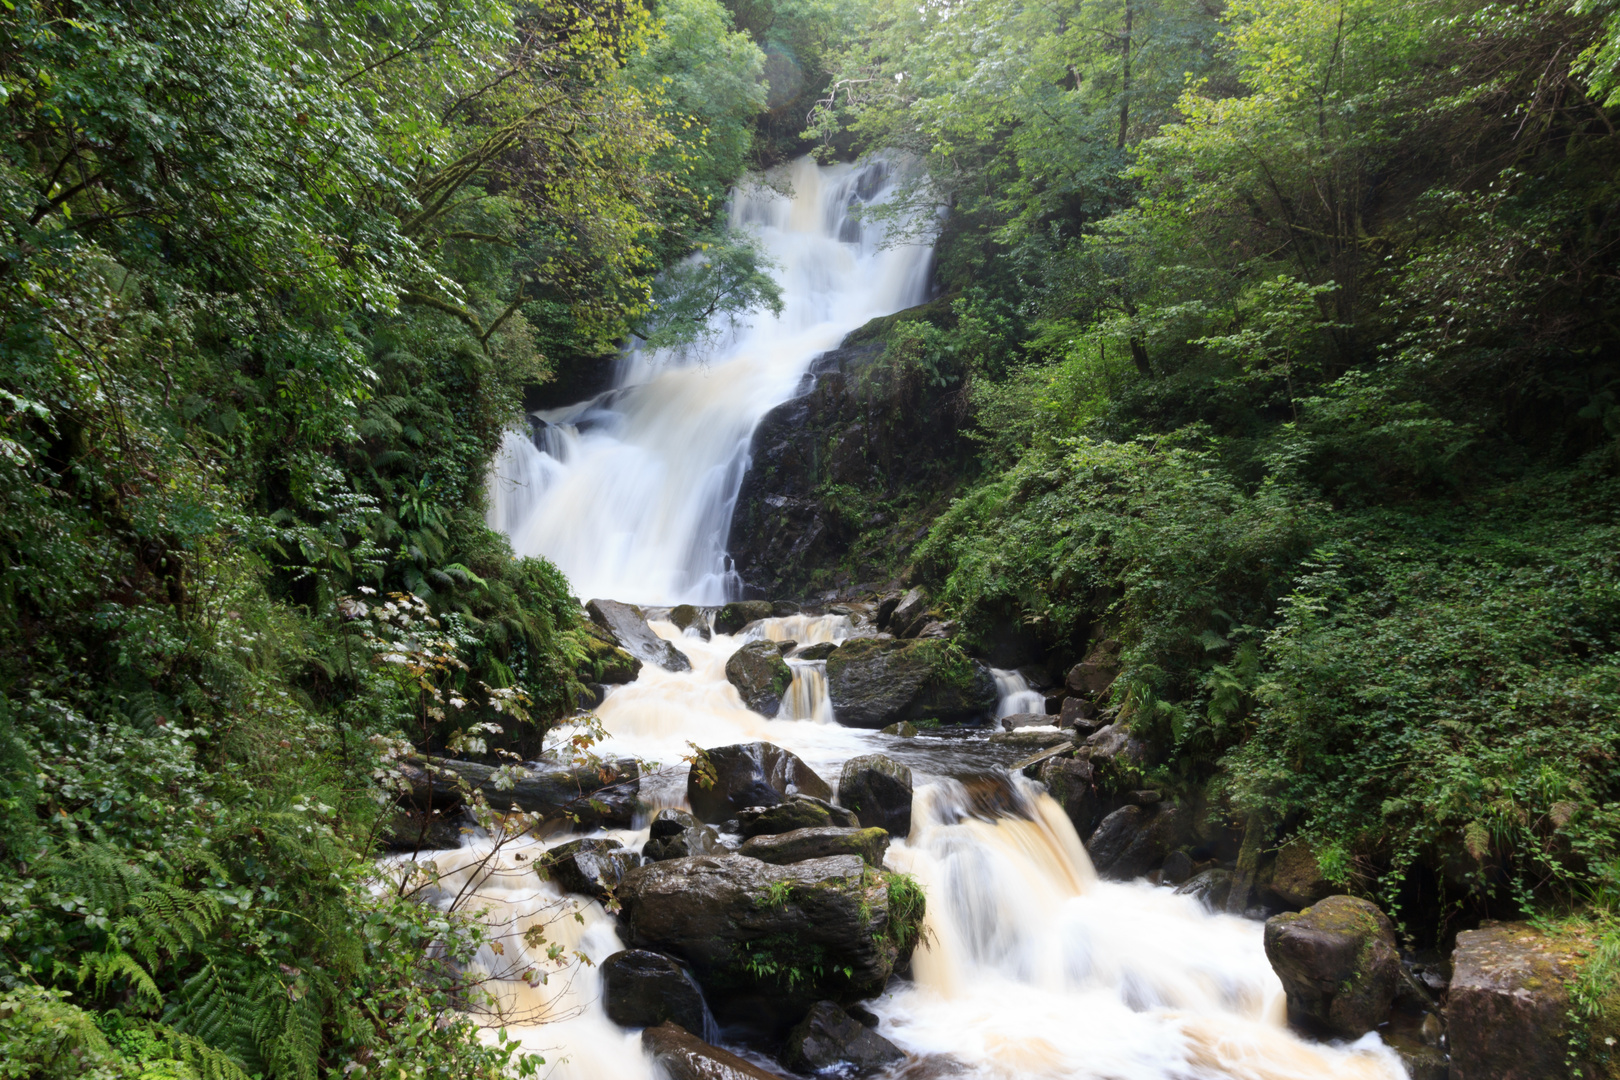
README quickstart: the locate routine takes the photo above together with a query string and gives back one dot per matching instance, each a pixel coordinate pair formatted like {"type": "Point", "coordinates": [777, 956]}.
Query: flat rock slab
{"type": "Point", "coordinates": [629, 627]}
{"type": "Point", "coordinates": [1033, 738]}
{"type": "Point", "coordinates": [684, 1056]}
{"type": "Point", "coordinates": [1507, 1014]}
{"type": "Point", "coordinates": [818, 843]}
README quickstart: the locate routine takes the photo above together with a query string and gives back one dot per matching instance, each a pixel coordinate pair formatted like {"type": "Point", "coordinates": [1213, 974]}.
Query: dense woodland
{"type": "Point", "coordinates": [1280, 335]}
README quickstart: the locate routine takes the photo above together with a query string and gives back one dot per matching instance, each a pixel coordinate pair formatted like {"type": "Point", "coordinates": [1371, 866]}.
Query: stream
{"type": "Point", "coordinates": [1032, 966]}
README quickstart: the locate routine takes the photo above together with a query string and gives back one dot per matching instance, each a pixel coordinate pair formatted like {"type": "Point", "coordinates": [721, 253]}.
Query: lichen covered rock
{"type": "Point", "coordinates": [1507, 1011]}
{"type": "Point", "coordinates": [1338, 963]}
{"type": "Point", "coordinates": [629, 628]}
{"type": "Point", "coordinates": [760, 675]}
{"type": "Point", "coordinates": [875, 682]}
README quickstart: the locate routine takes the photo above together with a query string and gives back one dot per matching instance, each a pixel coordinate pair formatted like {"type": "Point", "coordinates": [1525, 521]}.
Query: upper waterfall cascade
{"type": "Point", "coordinates": [630, 494]}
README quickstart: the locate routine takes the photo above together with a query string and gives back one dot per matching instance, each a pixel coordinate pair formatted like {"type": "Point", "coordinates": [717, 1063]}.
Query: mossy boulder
{"type": "Point", "coordinates": [874, 683]}
{"type": "Point", "coordinates": [1296, 877]}
{"type": "Point", "coordinates": [760, 675]}
{"type": "Point", "coordinates": [767, 941]}
{"type": "Point", "coordinates": [687, 617]}
{"type": "Point", "coordinates": [1338, 963]}
{"type": "Point", "coordinates": [675, 834]}
{"type": "Point", "coordinates": [628, 625]}
{"type": "Point", "coordinates": [818, 843]}
{"type": "Point", "coordinates": [878, 789]}
{"type": "Point", "coordinates": [794, 812]}
{"type": "Point", "coordinates": [733, 617]}
{"type": "Point", "coordinates": [605, 662]}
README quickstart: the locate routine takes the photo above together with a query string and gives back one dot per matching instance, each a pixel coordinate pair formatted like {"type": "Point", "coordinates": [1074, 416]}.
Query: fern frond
{"type": "Point", "coordinates": [104, 969]}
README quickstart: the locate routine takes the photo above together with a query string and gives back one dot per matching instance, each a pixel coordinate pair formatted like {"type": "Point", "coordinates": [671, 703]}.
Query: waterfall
{"type": "Point", "coordinates": [631, 493]}
{"type": "Point", "coordinates": [1013, 695]}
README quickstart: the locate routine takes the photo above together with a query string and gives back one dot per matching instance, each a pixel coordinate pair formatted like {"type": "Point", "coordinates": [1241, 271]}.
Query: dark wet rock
{"type": "Point", "coordinates": [1068, 781]}
{"type": "Point", "coordinates": [733, 617]}
{"type": "Point", "coordinates": [643, 989]}
{"type": "Point", "coordinates": [591, 696]}
{"type": "Point", "coordinates": [828, 1038]}
{"type": "Point", "coordinates": [885, 608]}
{"type": "Point", "coordinates": [687, 617]}
{"type": "Point", "coordinates": [1024, 720]}
{"type": "Point", "coordinates": [541, 788]}
{"type": "Point", "coordinates": [1134, 839]}
{"type": "Point", "coordinates": [675, 834]}
{"type": "Point", "coordinates": [1210, 887]}
{"type": "Point", "coordinates": [683, 1056]}
{"type": "Point", "coordinates": [629, 628]}
{"type": "Point", "coordinates": [746, 775]}
{"type": "Point", "coordinates": [937, 629]}
{"type": "Point", "coordinates": [795, 812]}
{"type": "Point", "coordinates": [1508, 1010]}
{"type": "Point", "coordinates": [905, 729]}
{"type": "Point", "coordinates": [1093, 675]}
{"type": "Point", "coordinates": [760, 675]}
{"type": "Point", "coordinates": [1177, 868]}
{"type": "Point", "coordinates": [819, 651]}
{"type": "Point", "coordinates": [592, 867]}
{"type": "Point", "coordinates": [1145, 797]}
{"type": "Point", "coordinates": [878, 790]}
{"type": "Point", "coordinates": [767, 941]}
{"type": "Point", "coordinates": [784, 609]}
{"type": "Point", "coordinates": [1032, 738]}
{"type": "Point", "coordinates": [411, 829]}
{"type": "Point", "coordinates": [1338, 963]}
{"type": "Point", "coordinates": [1296, 876]}
{"type": "Point", "coordinates": [818, 843]}
{"type": "Point", "coordinates": [912, 606]}
{"type": "Point", "coordinates": [605, 662]}
{"type": "Point", "coordinates": [1080, 714]}
{"type": "Point", "coordinates": [874, 683]}
{"type": "Point", "coordinates": [785, 647]}
{"type": "Point", "coordinates": [863, 1014]}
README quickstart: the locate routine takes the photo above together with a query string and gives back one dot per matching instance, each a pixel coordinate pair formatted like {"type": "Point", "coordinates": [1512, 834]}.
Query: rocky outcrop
{"type": "Point", "coordinates": [1210, 887]}
{"type": "Point", "coordinates": [875, 682]}
{"type": "Point", "coordinates": [908, 614]}
{"type": "Point", "coordinates": [683, 1056]}
{"type": "Point", "coordinates": [643, 989]}
{"type": "Point", "coordinates": [545, 790]}
{"type": "Point", "coordinates": [878, 790]}
{"type": "Point", "coordinates": [1339, 965]}
{"type": "Point", "coordinates": [818, 843]}
{"type": "Point", "coordinates": [733, 617]}
{"type": "Point", "coordinates": [1507, 1013]}
{"type": "Point", "coordinates": [675, 834]}
{"type": "Point", "coordinates": [732, 778]}
{"type": "Point", "coordinates": [629, 628]}
{"type": "Point", "coordinates": [1296, 877]}
{"type": "Point", "coordinates": [1068, 781]}
{"type": "Point", "coordinates": [828, 1039]}
{"type": "Point", "coordinates": [819, 651]}
{"type": "Point", "coordinates": [605, 663]}
{"type": "Point", "coordinates": [687, 617]}
{"type": "Point", "coordinates": [1094, 675]}
{"type": "Point", "coordinates": [760, 675]}
{"type": "Point", "coordinates": [592, 867]}
{"type": "Point", "coordinates": [795, 812]}
{"type": "Point", "coordinates": [767, 941]}
{"type": "Point", "coordinates": [1134, 839]}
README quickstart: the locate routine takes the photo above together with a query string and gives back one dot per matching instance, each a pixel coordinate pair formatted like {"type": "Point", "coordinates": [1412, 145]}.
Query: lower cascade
{"type": "Point", "coordinates": [1026, 964]}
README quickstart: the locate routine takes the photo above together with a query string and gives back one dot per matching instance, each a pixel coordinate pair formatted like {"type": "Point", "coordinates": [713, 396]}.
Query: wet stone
{"type": "Point", "coordinates": [641, 988]}
{"type": "Point", "coordinates": [683, 1056]}
{"type": "Point", "coordinates": [818, 843]}
{"type": "Point", "coordinates": [829, 1038]}
{"type": "Point", "coordinates": [798, 812]}
{"type": "Point", "coordinates": [591, 867]}
{"type": "Point", "coordinates": [878, 790]}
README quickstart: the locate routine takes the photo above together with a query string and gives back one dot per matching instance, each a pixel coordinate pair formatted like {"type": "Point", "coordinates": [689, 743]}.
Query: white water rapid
{"type": "Point", "coordinates": [1032, 967]}
{"type": "Point", "coordinates": [630, 494]}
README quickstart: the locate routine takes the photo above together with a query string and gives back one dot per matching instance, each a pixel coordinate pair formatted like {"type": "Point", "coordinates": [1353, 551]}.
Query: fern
{"type": "Point", "coordinates": [104, 969]}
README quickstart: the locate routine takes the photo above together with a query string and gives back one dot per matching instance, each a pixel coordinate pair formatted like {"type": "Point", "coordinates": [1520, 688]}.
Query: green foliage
{"type": "Point", "coordinates": [907, 906]}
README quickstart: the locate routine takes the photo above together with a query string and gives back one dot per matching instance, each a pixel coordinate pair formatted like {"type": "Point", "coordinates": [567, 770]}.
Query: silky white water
{"type": "Point", "coordinates": [630, 494]}
{"type": "Point", "coordinates": [1032, 968]}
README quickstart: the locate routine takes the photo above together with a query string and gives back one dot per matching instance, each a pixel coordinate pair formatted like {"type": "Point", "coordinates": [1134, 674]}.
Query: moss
{"type": "Point", "coordinates": [908, 905]}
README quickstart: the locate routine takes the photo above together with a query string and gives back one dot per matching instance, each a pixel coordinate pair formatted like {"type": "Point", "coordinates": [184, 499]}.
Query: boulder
{"type": "Point", "coordinates": [687, 617]}
{"type": "Point", "coordinates": [1032, 738]}
{"type": "Point", "coordinates": [643, 989]}
{"type": "Point", "coordinates": [1508, 1010]}
{"type": "Point", "coordinates": [795, 812]}
{"type": "Point", "coordinates": [545, 789]}
{"type": "Point", "coordinates": [874, 683]}
{"type": "Point", "coordinates": [877, 789]}
{"type": "Point", "coordinates": [760, 675]}
{"type": "Point", "coordinates": [784, 609]}
{"type": "Point", "coordinates": [1024, 720]}
{"type": "Point", "coordinates": [818, 843]}
{"type": "Point", "coordinates": [905, 729]}
{"type": "Point", "coordinates": [829, 1039]}
{"type": "Point", "coordinates": [885, 609]}
{"type": "Point", "coordinates": [592, 867]}
{"type": "Point", "coordinates": [733, 617]}
{"type": "Point", "coordinates": [1134, 839]}
{"type": "Point", "coordinates": [819, 651]}
{"type": "Point", "coordinates": [1296, 877]}
{"type": "Point", "coordinates": [911, 607]}
{"type": "Point", "coordinates": [746, 775]}
{"type": "Point", "coordinates": [629, 628]}
{"type": "Point", "coordinates": [675, 834]}
{"type": "Point", "coordinates": [605, 662]}
{"type": "Point", "coordinates": [683, 1056]}
{"type": "Point", "coordinates": [1339, 965]}
{"type": "Point", "coordinates": [1177, 868]}
{"type": "Point", "coordinates": [1209, 887]}
{"type": "Point", "coordinates": [1094, 674]}
{"type": "Point", "coordinates": [767, 941]}
{"type": "Point", "coordinates": [1080, 714]}
{"type": "Point", "coordinates": [1068, 781]}
{"type": "Point", "coordinates": [939, 629]}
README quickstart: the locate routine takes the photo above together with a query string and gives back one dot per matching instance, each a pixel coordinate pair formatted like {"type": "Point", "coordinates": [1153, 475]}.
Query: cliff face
{"type": "Point", "coordinates": [845, 477]}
